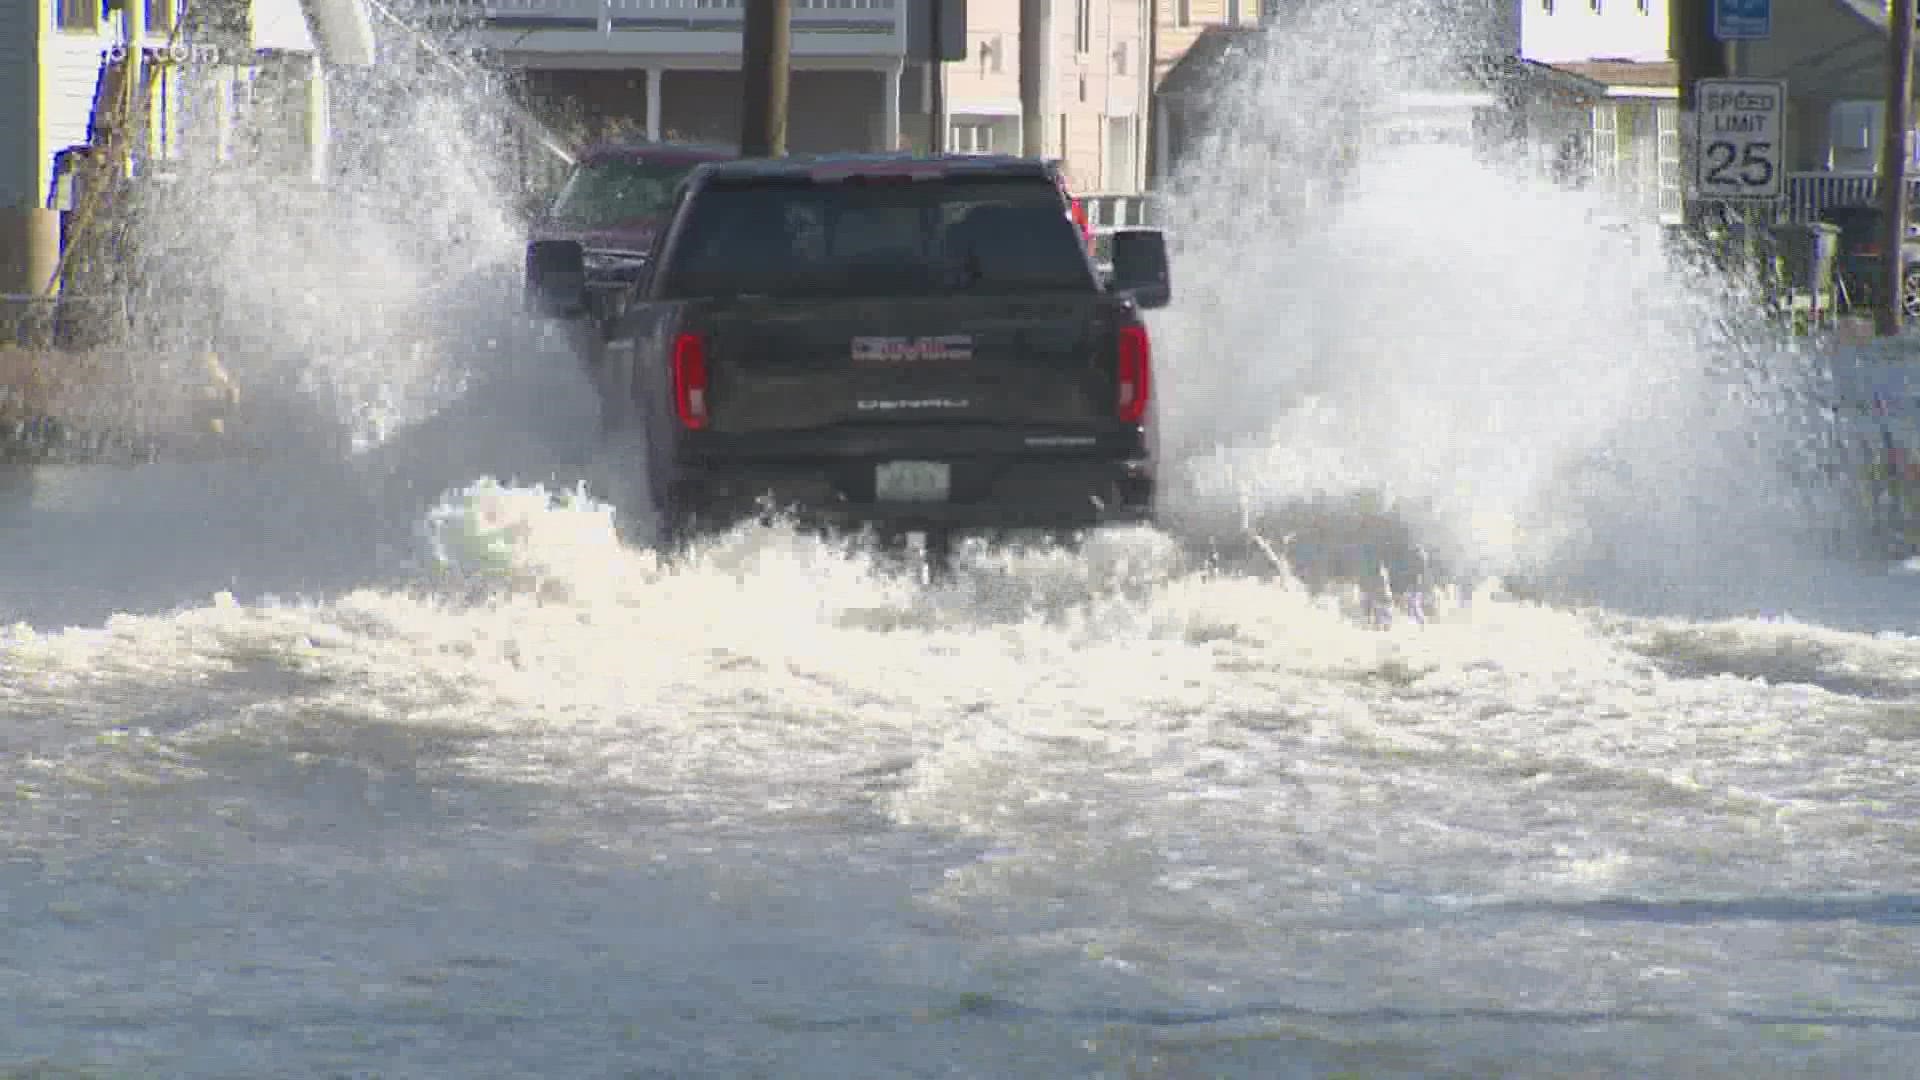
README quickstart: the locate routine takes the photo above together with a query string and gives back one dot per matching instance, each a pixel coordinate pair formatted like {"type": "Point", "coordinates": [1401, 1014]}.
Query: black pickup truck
{"type": "Point", "coordinates": [917, 344]}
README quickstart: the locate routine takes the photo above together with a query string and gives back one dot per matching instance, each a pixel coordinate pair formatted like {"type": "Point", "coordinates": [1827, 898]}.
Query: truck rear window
{"type": "Point", "coordinates": [782, 237]}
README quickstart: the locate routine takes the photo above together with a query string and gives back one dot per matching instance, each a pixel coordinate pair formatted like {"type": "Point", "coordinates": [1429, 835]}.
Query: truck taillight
{"type": "Point", "coordinates": [690, 380]}
{"type": "Point", "coordinates": [1136, 375]}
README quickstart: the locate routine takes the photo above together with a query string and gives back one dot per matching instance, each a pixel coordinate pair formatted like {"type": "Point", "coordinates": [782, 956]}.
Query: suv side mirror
{"type": "Point", "coordinates": [1140, 267]}
{"type": "Point", "coordinates": [557, 278]}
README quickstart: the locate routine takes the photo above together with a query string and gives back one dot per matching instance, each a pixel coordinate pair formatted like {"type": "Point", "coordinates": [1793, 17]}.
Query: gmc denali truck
{"type": "Point", "coordinates": [912, 344]}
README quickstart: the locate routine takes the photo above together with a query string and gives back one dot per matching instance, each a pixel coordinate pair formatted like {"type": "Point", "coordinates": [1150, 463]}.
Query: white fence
{"type": "Point", "coordinates": [1808, 193]}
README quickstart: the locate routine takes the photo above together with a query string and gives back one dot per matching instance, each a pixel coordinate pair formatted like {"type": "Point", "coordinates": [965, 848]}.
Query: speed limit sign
{"type": "Point", "coordinates": [1738, 153]}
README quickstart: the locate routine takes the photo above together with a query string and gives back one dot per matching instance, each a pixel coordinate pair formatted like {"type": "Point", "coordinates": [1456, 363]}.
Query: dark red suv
{"type": "Point", "coordinates": [613, 202]}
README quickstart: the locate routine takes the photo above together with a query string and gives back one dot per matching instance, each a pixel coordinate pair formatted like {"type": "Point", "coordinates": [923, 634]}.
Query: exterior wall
{"type": "Point", "coordinates": [636, 33]}
{"type": "Point", "coordinates": [587, 103]}
{"type": "Point", "coordinates": [1091, 85]}
{"type": "Point", "coordinates": [1827, 53]}
{"type": "Point", "coordinates": [281, 24]}
{"type": "Point", "coordinates": [21, 26]}
{"type": "Point", "coordinates": [1096, 79]}
{"type": "Point", "coordinates": [1634, 154]}
{"type": "Point", "coordinates": [826, 110]}
{"type": "Point", "coordinates": [1553, 31]}
{"type": "Point", "coordinates": [71, 64]}
{"type": "Point", "coordinates": [987, 83]}
{"type": "Point", "coordinates": [1178, 23]}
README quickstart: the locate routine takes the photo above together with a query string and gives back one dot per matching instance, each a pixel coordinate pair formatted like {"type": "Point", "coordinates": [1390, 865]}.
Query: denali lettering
{"type": "Point", "coordinates": [900, 350]}
{"type": "Point", "coordinates": [916, 403]}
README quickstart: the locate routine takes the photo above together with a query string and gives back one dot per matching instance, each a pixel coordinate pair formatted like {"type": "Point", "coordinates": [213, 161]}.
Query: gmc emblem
{"type": "Point", "coordinates": [900, 350]}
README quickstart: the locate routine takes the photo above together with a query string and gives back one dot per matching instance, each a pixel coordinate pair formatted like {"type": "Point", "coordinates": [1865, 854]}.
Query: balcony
{"type": "Point", "coordinates": [618, 33]}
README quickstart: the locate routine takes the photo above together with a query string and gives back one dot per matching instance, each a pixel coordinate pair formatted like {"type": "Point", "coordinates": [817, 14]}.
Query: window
{"type": "Point", "coordinates": [1183, 13]}
{"type": "Point", "coordinates": [610, 192]}
{"type": "Point", "coordinates": [1606, 144]}
{"type": "Point", "coordinates": [159, 16]}
{"type": "Point", "coordinates": [76, 15]}
{"type": "Point", "coordinates": [991, 52]}
{"type": "Point", "coordinates": [790, 238]}
{"type": "Point", "coordinates": [1120, 157]}
{"type": "Point", "coordinates": [1667, 120]}
{"type": "Point", "coordinates": [1083, 26]}
{"type": "Point", "coordinates": [970, 139]}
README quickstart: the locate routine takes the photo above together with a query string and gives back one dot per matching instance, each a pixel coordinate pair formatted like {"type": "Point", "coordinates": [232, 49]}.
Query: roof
{"type": "Point", "coordinates": [658, 151]}
{"type": "Point", "coordinates": [1524, 77]}
{"type": "Point", "coordinates": [809, 166]}
{"type": "Point", "coordinates": [1623, 77]}
{"type": "Point", "coordinates": [1217, 51]}
{"type": "Point", "coordinates": [1216, 55]}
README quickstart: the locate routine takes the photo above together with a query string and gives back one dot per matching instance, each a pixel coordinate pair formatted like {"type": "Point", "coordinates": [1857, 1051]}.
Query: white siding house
{"type": "Point", "coordinates": [71, 69]}
{"type": "Point", "coordinates": [1555, 31]}
{"type": "Point", "coordinates": [20, 90]}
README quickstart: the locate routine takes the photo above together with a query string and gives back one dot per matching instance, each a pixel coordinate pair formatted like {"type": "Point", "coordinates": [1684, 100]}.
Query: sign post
{"type": "Point", "coordinates": [1740, 128]}
{"type": "Point", "coordinates": [1742, 20]}
{"type": "Point", "coordinates": [1891, 315]}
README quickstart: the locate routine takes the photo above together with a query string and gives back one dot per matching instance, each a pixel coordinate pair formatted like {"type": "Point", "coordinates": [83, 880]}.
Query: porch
{"type": "Point", "coordinates": [615, 33]}
{"type": "Point", "coordinates": [833, 105]}
{"type": "Point", "coordinates": [1807, 194]}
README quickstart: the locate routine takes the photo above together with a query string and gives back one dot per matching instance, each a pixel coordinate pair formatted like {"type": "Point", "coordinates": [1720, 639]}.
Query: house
{"type": "Point", "coordinates": [1632, 117]}
{"type": "Point", "coordinates": [1577, 31]}
{"type": "Point", "coordinates": [670, 69]}
{"type": "Point", "coordinates": [859, 76]}
{"type": "Point", "coordinates": [140, 82]}
{"type": "Point", "coordinates": [1832, 55]}
{"type": "Point", "coordinates": [1582, 90]}
{"type": "Point", "coordinates": [1096, 97]}
{"type": "Point", "coordinates": [1619, 132]}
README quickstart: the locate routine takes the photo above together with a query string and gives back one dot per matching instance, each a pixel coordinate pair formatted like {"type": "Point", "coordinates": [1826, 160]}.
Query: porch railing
{"type": "Point", "coordinates": [1809, 193]}
{"type": "Point", "coordinates": [626, 15]}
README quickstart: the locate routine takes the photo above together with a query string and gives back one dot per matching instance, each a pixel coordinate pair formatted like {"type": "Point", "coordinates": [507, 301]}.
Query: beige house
{"type": "Point", "coordinates": [1096, 105]}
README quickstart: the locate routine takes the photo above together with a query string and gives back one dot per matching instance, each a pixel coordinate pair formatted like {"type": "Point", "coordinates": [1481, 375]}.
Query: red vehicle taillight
{"type": "Point", "coordinates": [1136, 364]}
{"type": "Point", "coordinates": [690, 380]}
{"type": "Point", "coordinates": [1085, 224]}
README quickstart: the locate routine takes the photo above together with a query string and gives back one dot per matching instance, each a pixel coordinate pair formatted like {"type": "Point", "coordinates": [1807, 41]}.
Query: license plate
{"type": "Point", "coordinates": [912, 481]}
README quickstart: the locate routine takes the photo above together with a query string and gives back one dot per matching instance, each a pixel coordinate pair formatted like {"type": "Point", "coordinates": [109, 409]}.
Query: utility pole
{"type": "Point", "coordinates": [936, 79]}
{"type": "Point", "coordinates": [1036, 25]}
{"type": "Point", "coordinates": [764, 50]}
{"type": "Point", "coordinates": [1893, 167]}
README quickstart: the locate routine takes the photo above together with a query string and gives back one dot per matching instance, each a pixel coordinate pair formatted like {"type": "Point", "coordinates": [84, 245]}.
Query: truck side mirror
{"type": "Point", "coordinates": [1140, 267]}
{"type": "Point", "coordinates": [557, 278]}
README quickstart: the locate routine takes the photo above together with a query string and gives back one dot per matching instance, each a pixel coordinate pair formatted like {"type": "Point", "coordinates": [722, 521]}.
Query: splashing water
{"type": "Point", "coordinates": [523, 799]}
{"type": "Point", "coordinates": [1421, 354]}
{"type": "Point", "coordinates": [342, 308]}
